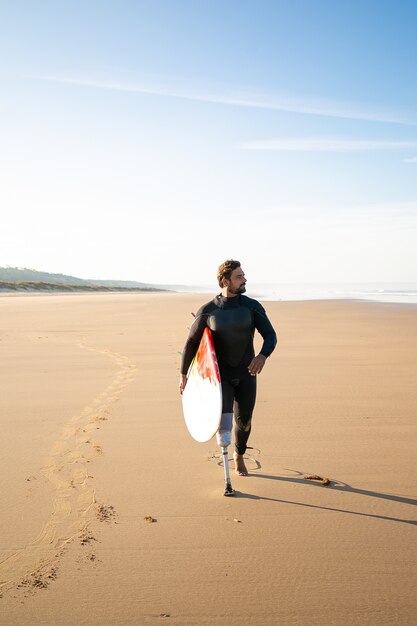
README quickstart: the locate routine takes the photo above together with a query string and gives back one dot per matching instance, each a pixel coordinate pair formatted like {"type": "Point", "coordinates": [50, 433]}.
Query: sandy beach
{"type": "Point", "coordinates": [93, 443]}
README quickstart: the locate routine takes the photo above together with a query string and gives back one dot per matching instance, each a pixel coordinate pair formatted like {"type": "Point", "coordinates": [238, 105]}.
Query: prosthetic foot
{"type": "Point", "coordinates": [224, 438]}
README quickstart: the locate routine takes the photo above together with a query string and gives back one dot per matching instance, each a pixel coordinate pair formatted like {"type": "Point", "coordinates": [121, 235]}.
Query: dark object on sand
{"type": "Point", "coordinates": [324, 480]}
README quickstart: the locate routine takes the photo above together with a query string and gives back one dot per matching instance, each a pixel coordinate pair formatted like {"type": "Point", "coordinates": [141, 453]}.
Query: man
{"type": "Point", "coordinates": [233, 318]}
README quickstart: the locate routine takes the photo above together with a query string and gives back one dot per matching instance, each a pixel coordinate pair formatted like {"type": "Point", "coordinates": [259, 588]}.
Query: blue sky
{"type": "Point", "coordinates": [151, 140]}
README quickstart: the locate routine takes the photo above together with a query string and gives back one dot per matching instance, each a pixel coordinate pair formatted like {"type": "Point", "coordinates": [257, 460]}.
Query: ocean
{"type": "Point", "coordinates": [401, 293]}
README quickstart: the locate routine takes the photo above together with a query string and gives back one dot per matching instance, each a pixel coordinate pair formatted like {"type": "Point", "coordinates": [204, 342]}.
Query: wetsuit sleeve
{"type": "Point", "coordinates": [265, 328]}
{"type": "Point", "coordinates": [193, 341]}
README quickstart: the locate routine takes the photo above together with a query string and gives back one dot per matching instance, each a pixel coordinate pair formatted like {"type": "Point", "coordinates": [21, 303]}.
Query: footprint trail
{"type": "Point", "coordinates": [67, 468]}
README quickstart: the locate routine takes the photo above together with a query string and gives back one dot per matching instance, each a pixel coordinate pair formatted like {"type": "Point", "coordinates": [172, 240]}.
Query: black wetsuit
{"type": "Point", "coordinates": [233, 322]}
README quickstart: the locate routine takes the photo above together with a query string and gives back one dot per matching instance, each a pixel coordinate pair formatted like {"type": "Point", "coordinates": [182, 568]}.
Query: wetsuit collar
{"type": "Point", "coordinates": [234, 300]}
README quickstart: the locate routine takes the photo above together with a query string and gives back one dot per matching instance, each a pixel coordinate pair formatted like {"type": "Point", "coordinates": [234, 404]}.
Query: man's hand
{"type": "Point", "coordinates": [257, 364]}
{"type": "Point", "coordinates": [183, 382]}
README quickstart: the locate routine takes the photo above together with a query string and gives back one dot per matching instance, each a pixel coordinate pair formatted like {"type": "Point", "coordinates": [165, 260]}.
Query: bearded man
{"type": "Point", "coordinates": [232, 318]}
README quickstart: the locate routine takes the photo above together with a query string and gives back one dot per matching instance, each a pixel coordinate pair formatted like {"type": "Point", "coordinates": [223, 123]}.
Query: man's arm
{"type": "Point", "coordinates": [265, 328]}
{"type": "Point", "coordinates": [191, 345]}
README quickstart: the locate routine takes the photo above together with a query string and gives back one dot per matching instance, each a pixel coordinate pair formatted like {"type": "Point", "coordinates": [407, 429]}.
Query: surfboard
{"type": "Point", "coordinates": [202, 396]}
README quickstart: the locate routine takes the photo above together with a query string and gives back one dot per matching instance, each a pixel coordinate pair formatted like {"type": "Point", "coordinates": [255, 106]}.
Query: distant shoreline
{"type": "Point", "coordinates": [42, 287]}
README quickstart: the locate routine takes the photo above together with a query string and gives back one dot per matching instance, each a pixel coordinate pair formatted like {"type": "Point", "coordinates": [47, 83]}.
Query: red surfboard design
{"type": "Point", "coordinates": [202, 396]}
{"type": "Point", "coordinates": [206, 357]}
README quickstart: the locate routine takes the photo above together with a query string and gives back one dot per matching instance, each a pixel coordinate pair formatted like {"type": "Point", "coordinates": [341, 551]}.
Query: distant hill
{"type": "Point", "coordinates": [24, 279]}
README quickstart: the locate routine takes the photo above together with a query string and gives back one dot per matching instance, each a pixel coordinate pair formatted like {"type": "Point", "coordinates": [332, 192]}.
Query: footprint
{"type": "Point", "coordinates": [105, 512]}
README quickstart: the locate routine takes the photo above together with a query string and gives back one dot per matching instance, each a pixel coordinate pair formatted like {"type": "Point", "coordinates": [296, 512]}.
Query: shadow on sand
{"type": "Point", "coordinates": [334, 485]}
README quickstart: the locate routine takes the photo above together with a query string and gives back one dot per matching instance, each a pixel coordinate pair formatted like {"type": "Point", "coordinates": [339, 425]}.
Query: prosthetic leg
{"type": "Point", "coordinates": [224, 439]}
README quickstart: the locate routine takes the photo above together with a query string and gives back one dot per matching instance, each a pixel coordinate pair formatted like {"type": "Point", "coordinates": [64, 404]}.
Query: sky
{"type": "Point", "coordinates": [151, 140]}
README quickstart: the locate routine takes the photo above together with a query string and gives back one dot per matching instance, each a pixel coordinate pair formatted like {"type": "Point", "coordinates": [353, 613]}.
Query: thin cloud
{"type": "Point", "coordinates": [278, 103]}
{"type": "Point", "coordinates": [334, 210]}
{"type": "Point", "coordinates": [411, 160]}
{"type": "Point", "coordinates": [312, 144]}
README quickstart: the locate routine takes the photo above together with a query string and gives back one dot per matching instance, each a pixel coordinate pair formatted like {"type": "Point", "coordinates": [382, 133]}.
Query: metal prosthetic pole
{"type": "Point", "coordinates": [228, 489]}
{"type": "Point", "coordinates": [224, 438]}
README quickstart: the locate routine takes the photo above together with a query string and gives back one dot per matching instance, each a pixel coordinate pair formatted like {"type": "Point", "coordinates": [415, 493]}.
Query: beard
{"type": "Point", "coordinates": [237, 290]}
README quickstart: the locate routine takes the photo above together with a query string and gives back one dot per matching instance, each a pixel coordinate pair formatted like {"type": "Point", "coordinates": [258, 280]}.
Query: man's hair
{"type": "Point", "coordinates": [225, 270]}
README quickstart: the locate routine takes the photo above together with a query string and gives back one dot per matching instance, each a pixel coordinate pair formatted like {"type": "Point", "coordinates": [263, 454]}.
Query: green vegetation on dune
{"type": "Point", "coordinates": [24, 279]}
{"type": "Point", "coordinates": [22, 274]}
{"type": "Point", "coordinates": [42, 286]}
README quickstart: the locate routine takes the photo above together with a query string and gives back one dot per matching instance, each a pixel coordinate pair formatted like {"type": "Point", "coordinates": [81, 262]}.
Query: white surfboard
{"type": "Point", "coordinates": [202, 396]}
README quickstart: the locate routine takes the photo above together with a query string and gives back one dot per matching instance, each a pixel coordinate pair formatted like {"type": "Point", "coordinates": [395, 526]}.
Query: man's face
{"type": "Point", "coordinates": [236, 283]}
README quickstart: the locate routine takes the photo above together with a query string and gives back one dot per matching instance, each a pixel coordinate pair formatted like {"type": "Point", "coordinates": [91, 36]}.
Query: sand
{"type": "Point", "coordinates": [93, 443]}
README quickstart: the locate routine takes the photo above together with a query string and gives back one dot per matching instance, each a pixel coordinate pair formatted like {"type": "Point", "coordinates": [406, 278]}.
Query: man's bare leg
{"type": "Point", "coordinates": [240, 467]}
